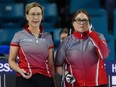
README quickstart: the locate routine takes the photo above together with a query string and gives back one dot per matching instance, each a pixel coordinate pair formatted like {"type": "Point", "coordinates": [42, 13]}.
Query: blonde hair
{"type": "Point", "coordinates": [31, 5]}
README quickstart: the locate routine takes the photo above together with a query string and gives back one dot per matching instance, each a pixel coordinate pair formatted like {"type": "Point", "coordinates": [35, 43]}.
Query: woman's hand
{"type": "Point", "coordinates": [25, 74]}
{"type": "Point", "coordinates": [69, 77]}
{"type": "Point", "coordinates": [90, 28]}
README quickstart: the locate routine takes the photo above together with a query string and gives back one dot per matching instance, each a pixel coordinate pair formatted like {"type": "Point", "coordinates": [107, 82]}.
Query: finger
{"type": "Point", "coordinates": [27, 76]}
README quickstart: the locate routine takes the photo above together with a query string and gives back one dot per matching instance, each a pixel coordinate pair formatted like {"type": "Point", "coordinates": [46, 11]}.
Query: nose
{"type": "Point", "coordinates": [81, 22]}
{"type": "Point", "coordinates": [36, 16]}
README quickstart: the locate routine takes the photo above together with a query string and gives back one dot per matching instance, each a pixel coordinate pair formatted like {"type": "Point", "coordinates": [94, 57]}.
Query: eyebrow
{"type": "Point", "coordinates": [35, 12]}
{"type": "Point", "coordinates": [82, 18]}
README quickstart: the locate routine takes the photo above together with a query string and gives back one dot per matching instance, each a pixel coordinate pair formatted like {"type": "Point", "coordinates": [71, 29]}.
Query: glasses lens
{"type": "Point", "coordinates": [34, 14]}
{"type": "Point", "coordinates": [79, 21]}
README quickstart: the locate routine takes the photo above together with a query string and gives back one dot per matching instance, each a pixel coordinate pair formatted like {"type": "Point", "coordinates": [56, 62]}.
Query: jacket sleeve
{"type": "Point", "coordinates": [60, 55]}
{"type": "Point", "coordinates": [101, 45]}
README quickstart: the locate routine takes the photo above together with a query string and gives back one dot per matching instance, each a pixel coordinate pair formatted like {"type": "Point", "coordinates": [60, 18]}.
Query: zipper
{"type": "Point", "coordinates": [83, 62]}
{"type": "Point", "coordinates": [36, 39]}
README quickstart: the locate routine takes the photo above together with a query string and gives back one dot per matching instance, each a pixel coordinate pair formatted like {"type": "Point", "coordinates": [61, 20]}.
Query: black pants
{"type": "Point", "coordinates": [97, 86]}
{"type": "Point", "coordinates": [36, 80]}
{"type": "Point", "coordinates": [58, 79]}
{"type": "Point", "coordinates": [102, 86]}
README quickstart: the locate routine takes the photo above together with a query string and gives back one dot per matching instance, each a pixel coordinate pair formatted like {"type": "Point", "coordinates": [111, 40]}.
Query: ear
{"type": "Point", "coordinates": [26, 16]}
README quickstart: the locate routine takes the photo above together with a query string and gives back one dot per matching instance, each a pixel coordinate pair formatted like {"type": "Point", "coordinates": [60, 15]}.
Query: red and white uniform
{"type": "Point", "coordinates": [33, 51]}
{"type": "Point", "coordinates": [84, 54]}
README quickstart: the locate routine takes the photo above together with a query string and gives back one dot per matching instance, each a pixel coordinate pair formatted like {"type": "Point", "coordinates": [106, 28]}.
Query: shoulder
{"type": "Point", "coordinates": [21, 32]}
{"type": "Point", "coordinates": [70, 38]}
{"type": "Point", "coordinates": [67, 39]}
{"type": "Point", "coordinates": [46, 34]}
{"type": "Point", "coordinates": [99, 34]}
{"type": "Point", "coordinates": [94, 33]}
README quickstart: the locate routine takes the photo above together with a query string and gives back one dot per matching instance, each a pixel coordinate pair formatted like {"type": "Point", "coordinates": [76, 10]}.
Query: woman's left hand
{"type": "Point", "coordinates": [90, 28]}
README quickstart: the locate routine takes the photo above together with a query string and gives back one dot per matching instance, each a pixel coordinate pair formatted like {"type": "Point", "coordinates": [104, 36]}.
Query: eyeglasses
{"type": "Point", "coordinates": [34, 14]}
{"type": "Point", "coordinates": [79, 21]}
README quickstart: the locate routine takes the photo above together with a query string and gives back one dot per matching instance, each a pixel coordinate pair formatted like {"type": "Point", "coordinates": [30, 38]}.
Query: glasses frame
{"type": "Point", "coordinates": [35, 14]}
{"type": "Point", "coordinates": [80, 21]}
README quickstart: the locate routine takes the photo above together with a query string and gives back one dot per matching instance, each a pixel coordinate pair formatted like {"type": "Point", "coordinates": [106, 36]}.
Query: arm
{"type": "Point", "coordinates": [101, 44]}
{"type": "Point", "coordinates": [12, 58]}
{"type": "Point", "coordinates": [50, 59]}
{"type": "Point", "coordinates": [13, 64]}
{"type": "Point", "coordinates": [59, 70]}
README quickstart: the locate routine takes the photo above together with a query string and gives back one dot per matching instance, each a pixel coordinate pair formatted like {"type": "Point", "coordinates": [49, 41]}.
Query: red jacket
{"type": "Point", "coordinates": [84, 55]}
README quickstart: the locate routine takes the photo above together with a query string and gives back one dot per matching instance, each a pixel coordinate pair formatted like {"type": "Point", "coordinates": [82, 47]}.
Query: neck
{"type": "Point", "coordinates": [81, 35]}
{"type": "Point", "coordinates": [35, 30]}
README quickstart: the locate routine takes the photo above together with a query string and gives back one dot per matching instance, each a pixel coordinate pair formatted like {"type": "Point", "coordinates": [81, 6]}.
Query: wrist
{"type": "Point", "coordinates": [67, 73]}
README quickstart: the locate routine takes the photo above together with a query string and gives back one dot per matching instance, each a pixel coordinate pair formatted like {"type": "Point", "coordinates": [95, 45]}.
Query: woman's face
{"type": "Point", "coordinates": [34, 16]}
{"type": "Point", "coordinates": [63, 36]}
{"type": "Point", "coordinates": [81, 23]}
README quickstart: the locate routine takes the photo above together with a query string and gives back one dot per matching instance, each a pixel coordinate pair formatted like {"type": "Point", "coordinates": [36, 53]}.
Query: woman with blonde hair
{"type": "Point", "coordinates": [34, 48]}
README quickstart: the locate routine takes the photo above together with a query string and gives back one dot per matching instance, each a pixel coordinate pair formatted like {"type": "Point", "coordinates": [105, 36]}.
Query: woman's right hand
{"type": "Point", "coordinates": [25, 74]}
{"type": "Point", "coordinates": [69, 77]}
{"type": "Point", "coordinates": [90, 28]}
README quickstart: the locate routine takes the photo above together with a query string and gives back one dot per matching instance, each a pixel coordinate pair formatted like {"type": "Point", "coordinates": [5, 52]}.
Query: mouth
{"type": "Point", "coordinates": [35, 21]}
{"type": "Point", "coordinates": [81, 27]}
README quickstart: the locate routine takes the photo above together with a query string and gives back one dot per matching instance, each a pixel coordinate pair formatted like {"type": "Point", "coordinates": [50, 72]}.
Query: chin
{"type": "Point", "coordinates": [35, 25]}
{"type": "Point", "coordinates": [81, 31]}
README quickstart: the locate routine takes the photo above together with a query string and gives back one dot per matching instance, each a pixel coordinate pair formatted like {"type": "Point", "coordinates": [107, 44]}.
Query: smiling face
{"type": "Point", "coordinates": [34, 16]}
{"type": "Point", "coordinates": [81, 22]}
